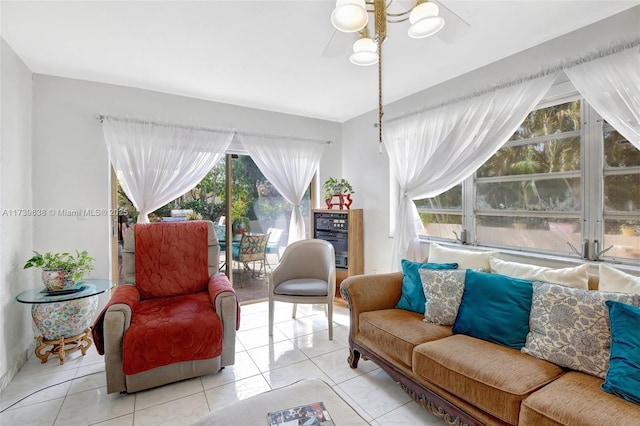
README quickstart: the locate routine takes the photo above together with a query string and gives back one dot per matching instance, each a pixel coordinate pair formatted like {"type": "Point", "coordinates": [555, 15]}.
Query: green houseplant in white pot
{"type": "Point", "coordinates": [61, 271]}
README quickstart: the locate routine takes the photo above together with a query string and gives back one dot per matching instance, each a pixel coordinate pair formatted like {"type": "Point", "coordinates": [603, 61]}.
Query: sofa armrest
{"type": "Point", "coordinates": [366, 293]}
{"type": "Point", "coordinates": [227, 307]}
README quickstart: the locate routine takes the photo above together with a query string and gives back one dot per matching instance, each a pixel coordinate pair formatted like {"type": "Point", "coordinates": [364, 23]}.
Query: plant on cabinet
{"type": "Point", "coordinates": [342, 189]}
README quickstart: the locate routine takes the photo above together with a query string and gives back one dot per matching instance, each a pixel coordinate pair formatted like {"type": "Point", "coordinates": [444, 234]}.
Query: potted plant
{"type": "Point", "coordinates": [241, 225]}
{"type": "Point", "coordinates": [61, 271]}
{"type": "Point", "coordinates": [628, 229]}
{"type": "Point", "coordinates": [341, 188]}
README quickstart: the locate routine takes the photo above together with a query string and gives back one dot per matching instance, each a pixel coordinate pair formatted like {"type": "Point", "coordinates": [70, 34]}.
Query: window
{"type": "Point", "coordinates": [621, 196]}
{"type": "Point", "coordinates": [528, 195]}
{"type": "Point", "coordinates": [566, 183]}
{"type": "Point", "coordinates": [442, 215]}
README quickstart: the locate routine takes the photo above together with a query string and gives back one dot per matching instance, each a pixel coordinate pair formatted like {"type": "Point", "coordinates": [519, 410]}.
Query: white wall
{"type": "Point", "coordinates": [368, 171]}
{"type": "Point", "coordinates": [71, 168]}
{"type": "Point", "coordinates": [15, 193]}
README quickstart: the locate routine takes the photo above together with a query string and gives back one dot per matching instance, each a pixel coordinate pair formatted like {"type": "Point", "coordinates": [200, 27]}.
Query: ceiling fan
{"type": "Point", "coordinates": [397, 11]}
{"type": "Point", "coordinates": [351, 20]}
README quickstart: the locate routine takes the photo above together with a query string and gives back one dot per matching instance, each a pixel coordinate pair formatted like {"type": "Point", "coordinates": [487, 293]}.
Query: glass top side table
{"type": "Point", "coordinates": [63, 318]}
{"type": "Point", "coordinates": [88, 288]}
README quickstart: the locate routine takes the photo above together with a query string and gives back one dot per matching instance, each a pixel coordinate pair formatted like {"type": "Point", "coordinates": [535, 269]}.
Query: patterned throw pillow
{"type": "Point", "coordinates": [570, 326]}
{"type": "Point", "coordinates": [443, 292]}
{"type": "Point", "coordinates": [412, 297]}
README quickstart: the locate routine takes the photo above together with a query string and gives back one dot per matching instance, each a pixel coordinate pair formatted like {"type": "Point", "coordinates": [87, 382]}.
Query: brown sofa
{"type": "Point", "coordinates": [466, 380]}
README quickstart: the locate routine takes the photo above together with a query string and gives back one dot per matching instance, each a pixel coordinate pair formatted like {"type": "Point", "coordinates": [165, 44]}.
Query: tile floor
{"type": "Point", "coordinates": [75, 393]}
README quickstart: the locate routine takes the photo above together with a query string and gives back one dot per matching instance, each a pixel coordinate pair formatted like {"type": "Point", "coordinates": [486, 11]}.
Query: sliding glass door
{"type": "Point", "coordinates": [256, 206]}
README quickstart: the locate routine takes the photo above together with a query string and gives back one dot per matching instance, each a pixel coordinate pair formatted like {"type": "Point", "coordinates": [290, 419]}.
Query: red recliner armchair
{"type": "Point", "coordinates": [176, 317]}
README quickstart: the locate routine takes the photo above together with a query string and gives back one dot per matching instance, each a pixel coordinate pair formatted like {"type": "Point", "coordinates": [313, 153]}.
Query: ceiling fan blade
{"type": "Point", "coordinates": [455, 28]}
{"type": "Point", "coordinates": [338, 44]}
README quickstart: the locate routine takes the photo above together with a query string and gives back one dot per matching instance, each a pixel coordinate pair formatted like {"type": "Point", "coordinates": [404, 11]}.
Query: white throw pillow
{"type": "Point", "coordinates": [612, 279]}
{"type": "Point", "coordinates": [576, 277]}
{"type": "Point", "coordinates": [466, 259]}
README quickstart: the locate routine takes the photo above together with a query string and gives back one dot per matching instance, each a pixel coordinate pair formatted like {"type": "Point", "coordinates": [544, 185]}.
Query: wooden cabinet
{"type": "Point", "coordinates": [344, 230]}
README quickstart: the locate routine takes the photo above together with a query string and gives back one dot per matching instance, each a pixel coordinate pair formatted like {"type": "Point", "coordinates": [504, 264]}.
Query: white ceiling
{"type": "Point", "coordinates": [269, 54]}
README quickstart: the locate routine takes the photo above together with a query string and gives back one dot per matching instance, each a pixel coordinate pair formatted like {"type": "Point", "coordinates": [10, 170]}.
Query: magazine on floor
{"type": "Point", "coordinates": [313, 414]}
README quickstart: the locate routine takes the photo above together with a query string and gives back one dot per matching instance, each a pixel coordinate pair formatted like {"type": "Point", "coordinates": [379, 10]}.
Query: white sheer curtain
{"type": "Point", "coordinates": [612, 86]}
{"type": "Point", "coordinates": [156, 163]}
{"type": "Point", "coordinates": [432, 151]}
{"type": "Point", "coordinates": [289, 164]}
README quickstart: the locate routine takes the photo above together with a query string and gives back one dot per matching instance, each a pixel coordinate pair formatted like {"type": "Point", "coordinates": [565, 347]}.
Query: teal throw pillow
{"type": "Point", "coordinates": [412, 298]}
{"type": "Point", "coordinates": [495, 308]}
{"type": "Point", "coordinates": [623, 375]}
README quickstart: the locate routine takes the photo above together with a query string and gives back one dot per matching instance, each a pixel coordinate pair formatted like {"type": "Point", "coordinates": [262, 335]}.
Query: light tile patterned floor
{"type": "Point", "coordinates": [75, 393]}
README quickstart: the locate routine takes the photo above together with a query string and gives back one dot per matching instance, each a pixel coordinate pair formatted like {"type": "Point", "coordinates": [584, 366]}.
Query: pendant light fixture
{"type": "Point", "coordinates": [353, 16]}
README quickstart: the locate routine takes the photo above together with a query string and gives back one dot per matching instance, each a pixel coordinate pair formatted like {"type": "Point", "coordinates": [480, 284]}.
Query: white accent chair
{"type": "Point", "coordinates": [306, 274]}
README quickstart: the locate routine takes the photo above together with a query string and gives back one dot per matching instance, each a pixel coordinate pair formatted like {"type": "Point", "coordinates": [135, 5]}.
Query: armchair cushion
{"type": "Point", "coordinates": [125, 294]}
{"type": "Point", "coordinates": [171, 259]}
{"type": "Point", "coordinates": [171, 330]}
{"type": "Point", "coordinates": [302, 287]}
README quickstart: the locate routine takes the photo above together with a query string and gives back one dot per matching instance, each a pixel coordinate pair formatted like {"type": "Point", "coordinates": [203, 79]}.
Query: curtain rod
{"type": "Point", "coordinates": [587, 58]}
{"type": "Point", "coordinates": [101, 117]}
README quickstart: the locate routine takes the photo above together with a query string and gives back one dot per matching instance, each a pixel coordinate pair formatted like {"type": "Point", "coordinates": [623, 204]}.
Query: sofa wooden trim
{"type": "Point", "coordinates": [433, 403]}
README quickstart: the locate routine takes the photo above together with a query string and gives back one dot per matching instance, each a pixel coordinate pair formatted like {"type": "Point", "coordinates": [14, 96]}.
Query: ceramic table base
{"type": "Point", "coordinates": [65, 325]}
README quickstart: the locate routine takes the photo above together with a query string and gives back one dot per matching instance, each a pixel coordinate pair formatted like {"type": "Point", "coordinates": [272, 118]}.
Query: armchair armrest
{"type": "Point", "coordinates": [108, 332]}
{"type": "Point", "coordinates": [366, 293]}
{"type": "Point", "coordinates": [227, 307]}
{"type": "Point", "coordinates": [123, 300]}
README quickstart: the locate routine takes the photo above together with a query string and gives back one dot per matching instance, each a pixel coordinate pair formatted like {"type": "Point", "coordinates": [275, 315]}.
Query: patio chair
{"type": "Point", "coordinates": [252, 249]}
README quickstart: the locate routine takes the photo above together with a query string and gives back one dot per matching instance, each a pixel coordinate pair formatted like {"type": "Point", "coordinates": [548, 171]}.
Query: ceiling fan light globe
{"type": "Point", "coordinates": [349, 16]}
{"type": "Point", "coordinates": [364, 58]}
{"type": "Point", "coordinates": [426, 27]}
{"type": "Point", "coordinates": [423, 10]}
{"type": "Point", "coordinates": [365, 45]}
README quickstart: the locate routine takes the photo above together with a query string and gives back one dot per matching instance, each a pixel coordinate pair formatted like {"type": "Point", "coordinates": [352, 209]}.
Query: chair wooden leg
{"type": "Point", "coordinates": [295, 308]}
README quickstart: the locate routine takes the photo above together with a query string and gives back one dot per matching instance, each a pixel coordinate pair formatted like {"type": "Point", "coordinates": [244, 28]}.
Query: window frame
{"type": "Point", "coordinates": [592, 173]}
